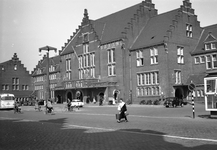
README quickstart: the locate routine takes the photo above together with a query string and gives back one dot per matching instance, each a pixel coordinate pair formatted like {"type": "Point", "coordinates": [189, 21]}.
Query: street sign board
{"type": "Point", "coordinates": [191, 87]}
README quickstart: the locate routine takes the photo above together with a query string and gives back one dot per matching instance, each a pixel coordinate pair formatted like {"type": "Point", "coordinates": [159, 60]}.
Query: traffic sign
{"type": "Point", "coordinates": [191, 87]}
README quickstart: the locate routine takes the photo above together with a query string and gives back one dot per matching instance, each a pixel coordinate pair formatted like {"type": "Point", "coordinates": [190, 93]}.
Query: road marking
{"type": "Point", "coordinates": [95, 128]}
{"type": "Point", "coordinates": [142, 133]}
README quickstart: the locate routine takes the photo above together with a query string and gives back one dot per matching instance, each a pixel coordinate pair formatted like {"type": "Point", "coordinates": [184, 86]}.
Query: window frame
{"type": "Point", "coordinates": [153, 56]}
{"type": "Point", "coordinates": [139, 58]}
{"type": "Point", "coordinates": [180, 55]}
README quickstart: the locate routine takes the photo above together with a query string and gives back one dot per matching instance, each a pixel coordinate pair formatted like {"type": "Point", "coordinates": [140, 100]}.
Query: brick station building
{"type": "Point", "coordinates": [135, 53]}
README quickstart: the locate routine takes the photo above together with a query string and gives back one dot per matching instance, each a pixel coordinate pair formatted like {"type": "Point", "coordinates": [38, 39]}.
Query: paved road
{"type": "Point", "coordinates": [95, 128]}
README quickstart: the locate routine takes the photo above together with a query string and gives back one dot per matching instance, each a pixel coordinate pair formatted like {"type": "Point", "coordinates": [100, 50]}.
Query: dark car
{"type": "Point", "coordinates": [173, 102]}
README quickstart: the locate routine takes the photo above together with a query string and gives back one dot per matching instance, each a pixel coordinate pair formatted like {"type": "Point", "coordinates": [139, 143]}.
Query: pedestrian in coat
{"type": "Point", "coordinates": [122, 108]}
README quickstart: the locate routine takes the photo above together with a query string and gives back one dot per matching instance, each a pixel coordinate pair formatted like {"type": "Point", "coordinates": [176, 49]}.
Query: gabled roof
{"type": "Point", "coordinates": [14, 60]}
{"type": "Point", "coordinates": [207, 34]}
{"type": "Point", "coordinates": [210, 38]}
{"type": "Point", "coordinates": [55, 61]}
{"type": "Point", "coordinates": [110, 27]}
{"type": "Point", "coordinates": [155, 30]}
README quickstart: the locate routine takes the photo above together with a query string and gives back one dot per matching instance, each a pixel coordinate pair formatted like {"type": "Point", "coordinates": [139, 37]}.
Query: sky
{"type": "Point", "coordinates": [27, 25]}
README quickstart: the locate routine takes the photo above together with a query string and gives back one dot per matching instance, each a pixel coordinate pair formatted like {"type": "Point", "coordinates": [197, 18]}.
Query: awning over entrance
{"type": "Point", "coordinates": [88, 83]}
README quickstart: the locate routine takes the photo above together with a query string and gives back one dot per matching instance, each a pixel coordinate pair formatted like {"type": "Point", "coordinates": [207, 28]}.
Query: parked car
{"type": "Point", "coordinates": [173, 102]}
{"type": "Point", "coordinates": [77, 103]}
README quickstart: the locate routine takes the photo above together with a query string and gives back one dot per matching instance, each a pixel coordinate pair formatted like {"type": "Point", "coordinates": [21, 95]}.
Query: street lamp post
{"type": "Point", "coordinates": [47, 48]}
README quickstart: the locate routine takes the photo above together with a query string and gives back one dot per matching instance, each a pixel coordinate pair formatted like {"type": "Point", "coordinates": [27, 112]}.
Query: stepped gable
{"type": "Point", "coordinates": [67, 49]}
{"type": "Point", "coordinates": [111, 28]}
{"type": "Point", "coordinates": [186, 7]}
{"type": "Point", "coordinates": [15, 60]}
{"type": "Point", "coordinates": [156, 29]}
{"type": "Point", "coordinates": [208, 33]}
{"type": "Point", "coordinates": [159, 29]}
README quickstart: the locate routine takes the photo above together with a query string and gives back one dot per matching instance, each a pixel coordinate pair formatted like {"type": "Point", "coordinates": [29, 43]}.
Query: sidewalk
{"type": "Point", "coordinates": [61, 107]}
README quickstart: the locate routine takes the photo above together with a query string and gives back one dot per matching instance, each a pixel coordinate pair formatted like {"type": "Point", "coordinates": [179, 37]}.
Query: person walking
{"type": "Point", "coordinates": [122, 108]}
{"type": "Point", "coordinates": [69, 104]}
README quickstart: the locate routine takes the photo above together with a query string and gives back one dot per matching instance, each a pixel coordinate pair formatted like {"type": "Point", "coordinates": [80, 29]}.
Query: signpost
{"type": "Point", "coordinates": [191, 88]}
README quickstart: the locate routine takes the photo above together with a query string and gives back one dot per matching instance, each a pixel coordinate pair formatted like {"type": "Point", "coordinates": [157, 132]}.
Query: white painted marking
{"type": "Point", "coordinates": [86, 127]}
{"type": "Point", "coordinates": [152, 134]}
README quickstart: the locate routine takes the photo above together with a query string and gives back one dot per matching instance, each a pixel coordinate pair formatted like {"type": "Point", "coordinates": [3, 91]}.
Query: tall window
{"type": "Point", "coordinates": [86, 65]}
{"type": "Point", "coordinates": [214, 61]}
{"type": "Point", "coordinates": [189, 30]}
{"type": "Point", "coordinates": [154, 55]}
{"type": "Point", "coordinates": [68, 68]}
{"type": "Point", "coordinates": [208, 62]}
{"type": "Point", "coordinates": [177, 77]}
{"type": "Point", "coordinates": [148, 84]}
{"type": "Point", "coordinates": [180, 55]}
{"type": "Point", "coordinates": [111, 62]}
{"type": "Point", "coordinates": [15, 82]}
{"type": "Point", "coordinates": [85, 48]}
{"type": "Point", "coordinates": [68, 64]}
{"type": "Point", "coordinates": [148, 78]}
{"type": "Point", "coordinates": [85, 37]}
{"type": "Point", "coordinates": [139, 58]}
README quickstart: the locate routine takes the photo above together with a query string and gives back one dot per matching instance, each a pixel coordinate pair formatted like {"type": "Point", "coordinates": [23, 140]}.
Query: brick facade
{"type": "Point", "coordinates": [15, 79]}
{"type": "Point", "coordinates": [136, 54]}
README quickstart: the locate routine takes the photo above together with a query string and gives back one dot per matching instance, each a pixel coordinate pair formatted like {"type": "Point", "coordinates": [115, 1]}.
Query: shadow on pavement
{"type": "Point", "coordinates": [59, 121]}
{"type": "Point", "coordinates": [50, 134]}
{"type": "Point", "coordinates": [206, 117]}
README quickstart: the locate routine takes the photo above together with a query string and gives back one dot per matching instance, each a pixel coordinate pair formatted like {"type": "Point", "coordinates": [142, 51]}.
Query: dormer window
{"type": "Point", "coordinates": [213, 45]}
{"type": "Point", "coordinates": [210, 46]}
{"type": "Point", "coordinates": [207, 46]}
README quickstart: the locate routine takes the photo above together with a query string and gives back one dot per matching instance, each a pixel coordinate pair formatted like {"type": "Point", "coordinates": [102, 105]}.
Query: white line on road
{"type": "Point", "coordinates": [152, 134]}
